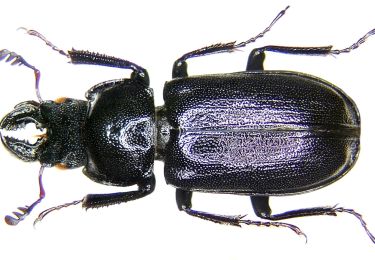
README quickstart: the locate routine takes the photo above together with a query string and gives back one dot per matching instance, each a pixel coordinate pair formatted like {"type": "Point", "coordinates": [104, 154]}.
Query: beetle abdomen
{"type": "Point", "coordinates": [273, 132]}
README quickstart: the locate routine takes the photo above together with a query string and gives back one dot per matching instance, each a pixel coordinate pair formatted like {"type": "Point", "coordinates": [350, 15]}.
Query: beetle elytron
{"type": "Point", "coordinates": [257, 133]}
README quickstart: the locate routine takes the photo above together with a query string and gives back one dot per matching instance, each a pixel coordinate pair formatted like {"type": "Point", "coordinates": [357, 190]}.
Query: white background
{"type": "Point", "coordinates": [153, 34]}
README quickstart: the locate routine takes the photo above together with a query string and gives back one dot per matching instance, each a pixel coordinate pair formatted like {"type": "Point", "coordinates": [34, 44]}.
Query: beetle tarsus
{"type": "Point", "coordinates": [44, 39]}
{"type": "Point", "coordinates": [359, 217]}
{"type": "Point", "coordinates": [354, 45]}
{"type": "Point", "coordinates": [294, 228]}
{"type": "Point", "coordinates": [44, 213]}
{"type": "Point", "coordinates": [238, 221]}
{"type": "Point", "coordinates": [260, 35]}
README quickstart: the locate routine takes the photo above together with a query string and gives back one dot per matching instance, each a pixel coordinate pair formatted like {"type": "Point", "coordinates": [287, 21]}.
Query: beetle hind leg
{"type": "Point", "coordinates": [257, 56]}
{"type": "Point", "coordinates": [263, 210]}
{"type": "Point", "coordinates": [183, 199]}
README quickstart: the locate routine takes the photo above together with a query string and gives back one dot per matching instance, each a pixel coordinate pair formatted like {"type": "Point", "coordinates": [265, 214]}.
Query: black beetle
{"type": "Point", "coordinates": [257, 133]}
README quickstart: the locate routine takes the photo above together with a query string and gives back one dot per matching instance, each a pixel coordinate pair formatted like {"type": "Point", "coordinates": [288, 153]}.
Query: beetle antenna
{"type": "Point", "coordinates": [47, 211]}
{"type": "Point", "coordinates": [16, 59]}
{"type": "Point", "coordinates": [354, 45]}
{"type": "Point", "coordinates": [25, 211]}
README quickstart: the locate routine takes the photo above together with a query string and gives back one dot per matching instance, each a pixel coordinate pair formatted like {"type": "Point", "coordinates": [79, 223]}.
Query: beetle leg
{"type": "Point", "coordinates": [102, 200]}
{"type": "Point", "coordinates": [180, 65]}
{"type": "Point", "coordinates": [46, 41]}
{"type": "Point", "coordinates": [354, 45]}
{"type": "Point", "coordinates": [47, 211]}
{"type": "Point", "coordinates": [263, 210]}
{"type": "Point", "coordinates": [91, 58]}
{"type": "Point", "coordinates": [183, 199]}
{"type": "Point", "coordinates": [257, 56]}
{"type": "Point", "coordinates": [19, 60]}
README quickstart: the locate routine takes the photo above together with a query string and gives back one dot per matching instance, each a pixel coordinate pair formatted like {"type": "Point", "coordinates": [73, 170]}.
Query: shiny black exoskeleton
{"type": "Point", "coordinates": [257, 133]}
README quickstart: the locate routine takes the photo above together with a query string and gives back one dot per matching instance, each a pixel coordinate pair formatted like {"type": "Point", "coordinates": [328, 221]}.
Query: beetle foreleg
{"type": "Point", "coordinates": [47, 211]}
{"type": "Point", "coordinates": [90, 58]}
{"type": "Point", "coordinates": [47, 42]}
{"type": "Point", "coordinates": [102, 200]}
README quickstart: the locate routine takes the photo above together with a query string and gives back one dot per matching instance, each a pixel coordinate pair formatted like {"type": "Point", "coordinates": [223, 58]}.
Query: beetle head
{"type": "Point", "coordinates": [23, 114]}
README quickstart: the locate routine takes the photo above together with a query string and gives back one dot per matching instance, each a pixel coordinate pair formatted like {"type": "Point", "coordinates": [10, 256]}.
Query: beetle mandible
{"type": "Point", "coordinates": [257, 133]}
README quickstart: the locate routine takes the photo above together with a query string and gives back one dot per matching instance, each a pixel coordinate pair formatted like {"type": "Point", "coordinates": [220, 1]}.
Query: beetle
{"type": "Point", "coordinates": [257, 133]}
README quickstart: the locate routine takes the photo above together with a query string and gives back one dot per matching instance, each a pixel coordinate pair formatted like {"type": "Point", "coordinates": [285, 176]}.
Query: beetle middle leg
{"type": "Point", "coordinates": [263, 210]}
{"type": "Point", "coordinates": [180, 65]}
{"type": "Point", "coordinates": [183, 199]}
